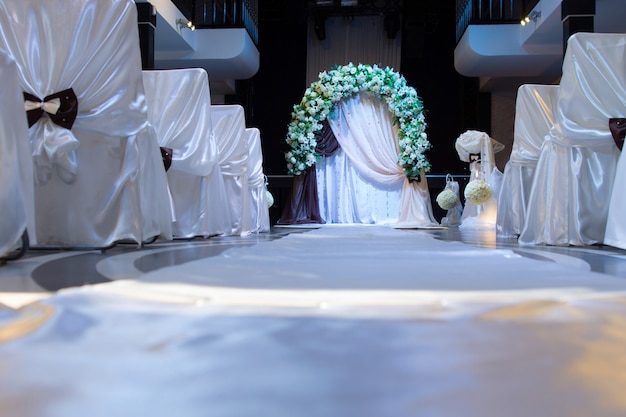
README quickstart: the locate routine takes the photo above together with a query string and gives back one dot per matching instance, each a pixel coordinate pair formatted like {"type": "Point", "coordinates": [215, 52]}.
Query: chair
{"type": "Point", "coordinates": [99, 173]}
{"type": "Point", "coordinates": [534, 108]}
{"type": "Point", "coordinates": [569, 199]}
{"type": "Point", "coordinates": [229, 125]}
{"type": "Point", "coordinates": [179, 108]}
{"type": "Point", "coordinates": [259, 216]}
{"type": "Point", "coordinates": [17, 222]}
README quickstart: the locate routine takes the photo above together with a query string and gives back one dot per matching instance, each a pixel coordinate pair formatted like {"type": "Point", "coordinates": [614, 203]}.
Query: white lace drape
{"type": "Point", "coordinates": [363, 183]}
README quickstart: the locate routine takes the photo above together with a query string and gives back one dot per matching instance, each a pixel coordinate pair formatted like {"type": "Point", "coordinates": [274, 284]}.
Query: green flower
{"type": "Point", "coordinates": [342, 82]}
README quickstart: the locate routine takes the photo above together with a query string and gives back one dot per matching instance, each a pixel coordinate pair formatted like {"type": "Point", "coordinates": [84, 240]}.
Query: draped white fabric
{"type": "Point", "coordinates": [360, 39]}
{"type": "Point", "coordinates": [229, 125]}
{"type": "Point", "coordinates": [16, 167]}
{"type": "Point", "coordinates": [570, 195]}
{"type": "Point", "coordinates": [113, 186]}
{"type": "Point", "coordinates": [473, 142]}
{"type": "Point", "coordinates": [534, 108]}
{"type": "Point", "coordinates": [615, 234]}
{"type": "Point", "coordinates": [363, 182]}
{"type": "Point", "coordinates": [179, 104]}
{"type": "Point", "coordinates": [259, 210]}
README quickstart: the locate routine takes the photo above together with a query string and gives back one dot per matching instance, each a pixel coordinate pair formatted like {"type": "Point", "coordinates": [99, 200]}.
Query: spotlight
{"type": "Point", "coordinates": [181, 23]}
{"type": "Point", "coordinates": [534, 15]}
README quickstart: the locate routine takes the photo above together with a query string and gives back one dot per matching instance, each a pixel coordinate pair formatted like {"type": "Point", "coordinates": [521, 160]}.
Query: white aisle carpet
{"type": "Point", "coordinates": [351, 321]}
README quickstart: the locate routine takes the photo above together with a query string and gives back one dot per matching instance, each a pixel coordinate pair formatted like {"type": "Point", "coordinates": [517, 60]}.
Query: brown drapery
{"type": "Point", "coordinates": [303, 206]}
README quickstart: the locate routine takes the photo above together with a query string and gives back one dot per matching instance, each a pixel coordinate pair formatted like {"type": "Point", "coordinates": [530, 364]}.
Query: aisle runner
{"type": "Point", "coordinates": [352, 322]}
{"type": "Point", "coordinates": [355, 266]}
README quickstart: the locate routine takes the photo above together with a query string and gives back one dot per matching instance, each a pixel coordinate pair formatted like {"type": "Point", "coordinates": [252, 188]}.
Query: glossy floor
{"type": "Point", "coordinates": [43, 271]}
{"type": "Point", "coordinates": [316, 322]}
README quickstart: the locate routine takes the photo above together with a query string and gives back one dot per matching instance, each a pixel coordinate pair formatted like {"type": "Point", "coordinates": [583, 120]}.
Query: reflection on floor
{"type": "Point", "coordinates": [42, 271]}
{"type": "Point", "coordinates": [314, 323]}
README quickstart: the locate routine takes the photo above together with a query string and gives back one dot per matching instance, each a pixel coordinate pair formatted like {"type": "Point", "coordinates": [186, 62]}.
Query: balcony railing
{"type": "Point", "coordinates": [219, 14]}
{"type": "Point", "coordinates": [484, 12]}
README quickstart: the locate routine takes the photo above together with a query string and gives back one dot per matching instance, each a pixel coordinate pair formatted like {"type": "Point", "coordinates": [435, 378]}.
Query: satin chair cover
{"type": "Point", "coordinates": [229, 125]}
{"type": "Point", "coordinates": [16, 166]}
{"type": "Point", "coordinates": [474, 142]}
{"type": "Point", "coordinates": [259, 217]}
{"type": "Point", "coordinates": [362, 182]}
{"type": "Point", "coordinates": [534, 107]}
{"type": "Point", "coordinates": [113, 186]}
{"type": "Point", "coordinates": [179, 108]}
{"type": "Point", "coordinates": [569, 199]}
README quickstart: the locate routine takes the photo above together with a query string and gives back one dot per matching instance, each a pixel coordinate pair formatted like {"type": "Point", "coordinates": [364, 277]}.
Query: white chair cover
{"type": "Point", "coordinates": [179, 108]}
{"type": "Point", "coordinates": [16, 167]}
{"type": "Point", "coordinates": [570, 195]}
{"type": "Point", "coordinates": [363, 182]}
{"type": "Point", "coordinates": [533, 119]}
{"type": "Point", "coordinates": [615, 234]}
{"type": "Point", "coordinates": [474, 142]}
{"type": "Point", "coordinates": [113, 186]}
{"type": "Point", "coordinates": [229, 125]}
{"type": "Point", "coordinates": [258, 208]}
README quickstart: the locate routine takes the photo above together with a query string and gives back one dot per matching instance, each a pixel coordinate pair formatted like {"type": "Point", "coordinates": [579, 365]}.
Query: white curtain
{"type": "Point", "coordinates": [363, 182]}
{"type": "Point", "coordinates": [360, 39]}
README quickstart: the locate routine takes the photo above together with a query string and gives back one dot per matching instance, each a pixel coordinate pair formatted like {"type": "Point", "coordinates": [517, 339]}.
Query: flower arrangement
{"type": "Point", "coordinates": [447, 199]}
{"type": "Point", "coordinates": [477, 192]}
{"type": "Point", "coordinates": [342, 82]}
{"type": "Point", "coordinates": [270, 199]}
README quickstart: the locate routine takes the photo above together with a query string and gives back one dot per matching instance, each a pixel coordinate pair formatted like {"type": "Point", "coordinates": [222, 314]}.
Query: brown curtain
{"type": "Point", "coordinates": [303, 206]}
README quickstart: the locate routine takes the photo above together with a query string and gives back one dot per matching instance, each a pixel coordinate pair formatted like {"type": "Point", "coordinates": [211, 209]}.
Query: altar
{"type": "Point", "coordinates": [357, 151]}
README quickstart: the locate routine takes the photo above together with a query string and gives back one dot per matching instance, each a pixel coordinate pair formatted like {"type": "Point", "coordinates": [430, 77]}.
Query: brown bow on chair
{"type": "Point", "coordinates": [618, 130]}
{"type": "Point", "coordinates": [166, 154]}
{"type": "Point", "coordinates": [62, 107]}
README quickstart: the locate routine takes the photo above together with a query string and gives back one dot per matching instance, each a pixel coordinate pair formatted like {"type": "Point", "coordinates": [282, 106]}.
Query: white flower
{"type": "Point", "coordinates": [447, 199]}
{"type": "Point", "coordinates": [342, 82]}
{"type": "Point", "coordinates": [270, 198]}
{"type": "Point", "coordinates": [477, 192]}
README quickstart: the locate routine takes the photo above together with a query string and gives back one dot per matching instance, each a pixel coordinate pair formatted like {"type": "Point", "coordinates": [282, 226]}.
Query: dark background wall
{"type": "Point", "coordinates": [453, 103]}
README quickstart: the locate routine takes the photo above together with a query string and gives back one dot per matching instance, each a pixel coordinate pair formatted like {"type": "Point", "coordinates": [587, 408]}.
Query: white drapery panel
{"type": "Point", "coordinates": [534, 109]}
{"type": "Point", "coordinates": [17, 199]}
{"type": "Point", "coordinates": [573, 181]}
{"type": "Point", "coordinates": [179, 104]}
{"type": "Point", "coordinates": [229, 125]}
{"type": "Point", "coordinates": [363, 182]}
{"type": "Point", "coordinates": [113, 186]}
{"type": "Point", "coordinates": [360, 39]}
{"type": "Point", "coordinates": [259, 210]}
{"type": "Point", "coordinates": [474, 142]}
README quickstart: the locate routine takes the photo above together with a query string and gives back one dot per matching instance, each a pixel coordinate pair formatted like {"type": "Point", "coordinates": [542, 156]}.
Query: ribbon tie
{"type": "Point", "coordinates": [618, 130]}
{"type": "Point", "coordinates": [61, 107]}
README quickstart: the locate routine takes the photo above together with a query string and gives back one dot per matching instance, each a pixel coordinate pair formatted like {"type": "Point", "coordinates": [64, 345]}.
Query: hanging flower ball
{"type": "Point", "coordinates": [447, 199]}
{"type": "Point", "coordinates": [270, 198]}
{"type": "Point", "coordinates": [477, 192]}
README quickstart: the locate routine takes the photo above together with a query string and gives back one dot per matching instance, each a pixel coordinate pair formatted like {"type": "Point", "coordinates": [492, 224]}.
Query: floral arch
{"type": "Point", "coordinates": [341, 82]}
